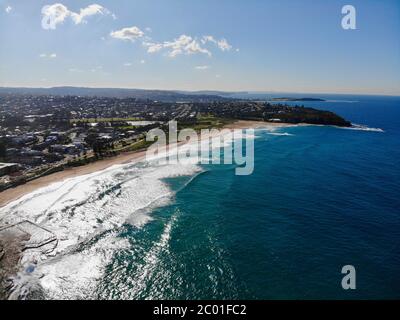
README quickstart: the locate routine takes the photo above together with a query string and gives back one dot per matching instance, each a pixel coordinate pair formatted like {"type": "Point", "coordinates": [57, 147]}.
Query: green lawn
{"type": "Point", "coordinates": [94, 120]}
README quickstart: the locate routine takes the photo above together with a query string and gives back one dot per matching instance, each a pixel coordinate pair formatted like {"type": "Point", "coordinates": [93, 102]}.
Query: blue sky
{"type": "Point", "coordinates": [254, 45]}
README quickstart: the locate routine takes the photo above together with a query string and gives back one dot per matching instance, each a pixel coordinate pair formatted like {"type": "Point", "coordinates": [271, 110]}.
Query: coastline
{"type": "Point", "coordinates": [12, 194]}
{"type": "Point", "coordinates": [14, 238]}
{"type": "Point", "coordinates": [21, 234]}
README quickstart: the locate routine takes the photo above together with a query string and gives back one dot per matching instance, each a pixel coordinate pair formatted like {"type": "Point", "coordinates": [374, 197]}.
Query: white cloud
{"type": "Point", "coordinates": [153, 47]}
{"type": "Point", "coordinates": [48, 56]}
{"type": "Point", "coordinates": [8, 9]}
{"type": "Point", "coordinates": [127, 64]}
{"type": "Point", "coordinates": [224, 45]}
{"type": "Point", "coordinates": [131, 34]}
{"type": "Point", "coordinates": [221, 44]}
{"type": "Point", "coordinates": [52, 15]}
{"type": "Point", "coordinates": [182, 45]}
{"type": "Point", "coordinates": [185, 45]}
{"type": "Point", "coordinates": [202, 67]}
{"type": "Point", "coordinates": [206, 39]}
{"type": "Point", "coordinates": [142, 61]}
{"type": "Point", "coordinates": [90, 10]}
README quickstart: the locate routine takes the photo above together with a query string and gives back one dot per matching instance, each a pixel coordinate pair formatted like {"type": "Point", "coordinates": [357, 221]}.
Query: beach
{"type": "Point", "coordinates": [12, 194]}
{"type": "Point", "coordinates": [16, 232]}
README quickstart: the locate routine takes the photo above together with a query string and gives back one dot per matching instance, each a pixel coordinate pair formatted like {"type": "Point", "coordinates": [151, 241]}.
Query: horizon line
{"type": "Point", "coordinates": [200, 90]}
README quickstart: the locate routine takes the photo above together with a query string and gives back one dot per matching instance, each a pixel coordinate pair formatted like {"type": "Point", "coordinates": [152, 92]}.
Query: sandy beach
{"type": "Point", "coordinates": [14, 238]}
{"type": "Point", "coordinates": [12, 194]}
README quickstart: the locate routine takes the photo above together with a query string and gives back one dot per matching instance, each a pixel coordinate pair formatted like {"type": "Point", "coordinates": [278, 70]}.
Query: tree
{"type": "Point", "coordinates": [3, 147]}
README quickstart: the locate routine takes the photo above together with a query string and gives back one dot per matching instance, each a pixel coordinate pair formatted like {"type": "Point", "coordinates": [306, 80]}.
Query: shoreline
{"type": "Point", "coordinates": [15, 238]}
{"type": "Point", "coordinates": [13, 194]}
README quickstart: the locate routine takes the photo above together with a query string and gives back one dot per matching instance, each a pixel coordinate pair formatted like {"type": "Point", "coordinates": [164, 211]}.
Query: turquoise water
{"type": "Point", "coordinates": [320, 198]}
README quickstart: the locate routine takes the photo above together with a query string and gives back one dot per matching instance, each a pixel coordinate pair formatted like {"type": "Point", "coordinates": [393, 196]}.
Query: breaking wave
{"type": "Point", "coordinates": [364, 128]}
{"type": "Point", "coordinates": [85, 213]}
{"type": "Point", "coordinates": [286, 134]}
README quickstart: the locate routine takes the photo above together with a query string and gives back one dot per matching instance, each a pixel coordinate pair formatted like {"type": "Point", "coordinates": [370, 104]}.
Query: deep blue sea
{"type": "Point", "coordinates": [319, 198]}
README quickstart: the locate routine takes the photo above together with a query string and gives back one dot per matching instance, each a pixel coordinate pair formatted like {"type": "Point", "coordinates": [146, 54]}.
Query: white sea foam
{"type": "Point", "coordinates": [354, 126]}
{"type": "Point", "coordinates": [364, 128]}
{"type": "Point", "coordinates": [274, 131]}
{"type": "Point", "coordinates": [150, 262]}
{"type": "Point", "coordinates": [285, 134]}
{"type": "Point", "coordinates": [88, 207]}
{"type": "Point", "coordinates": [78, 209]}
{"type": "Point", "coordinates": [70, 276]}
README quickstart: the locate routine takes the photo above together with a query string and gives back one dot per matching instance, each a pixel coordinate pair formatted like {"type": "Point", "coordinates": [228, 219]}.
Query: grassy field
{"type": "Point", "coordinates": [205, 122]}
{"type": "Point", "coordinates": [98, 120]}
{"type": "Point", "coordinates": [141, 144]}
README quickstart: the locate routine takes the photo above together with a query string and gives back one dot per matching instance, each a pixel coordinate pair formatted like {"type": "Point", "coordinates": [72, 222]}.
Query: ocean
{"type": "Point", "coordinates": [320, 198]}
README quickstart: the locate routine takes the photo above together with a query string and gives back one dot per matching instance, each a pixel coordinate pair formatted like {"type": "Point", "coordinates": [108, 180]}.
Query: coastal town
{"type": "Point", "coordinates": [43, 134]}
